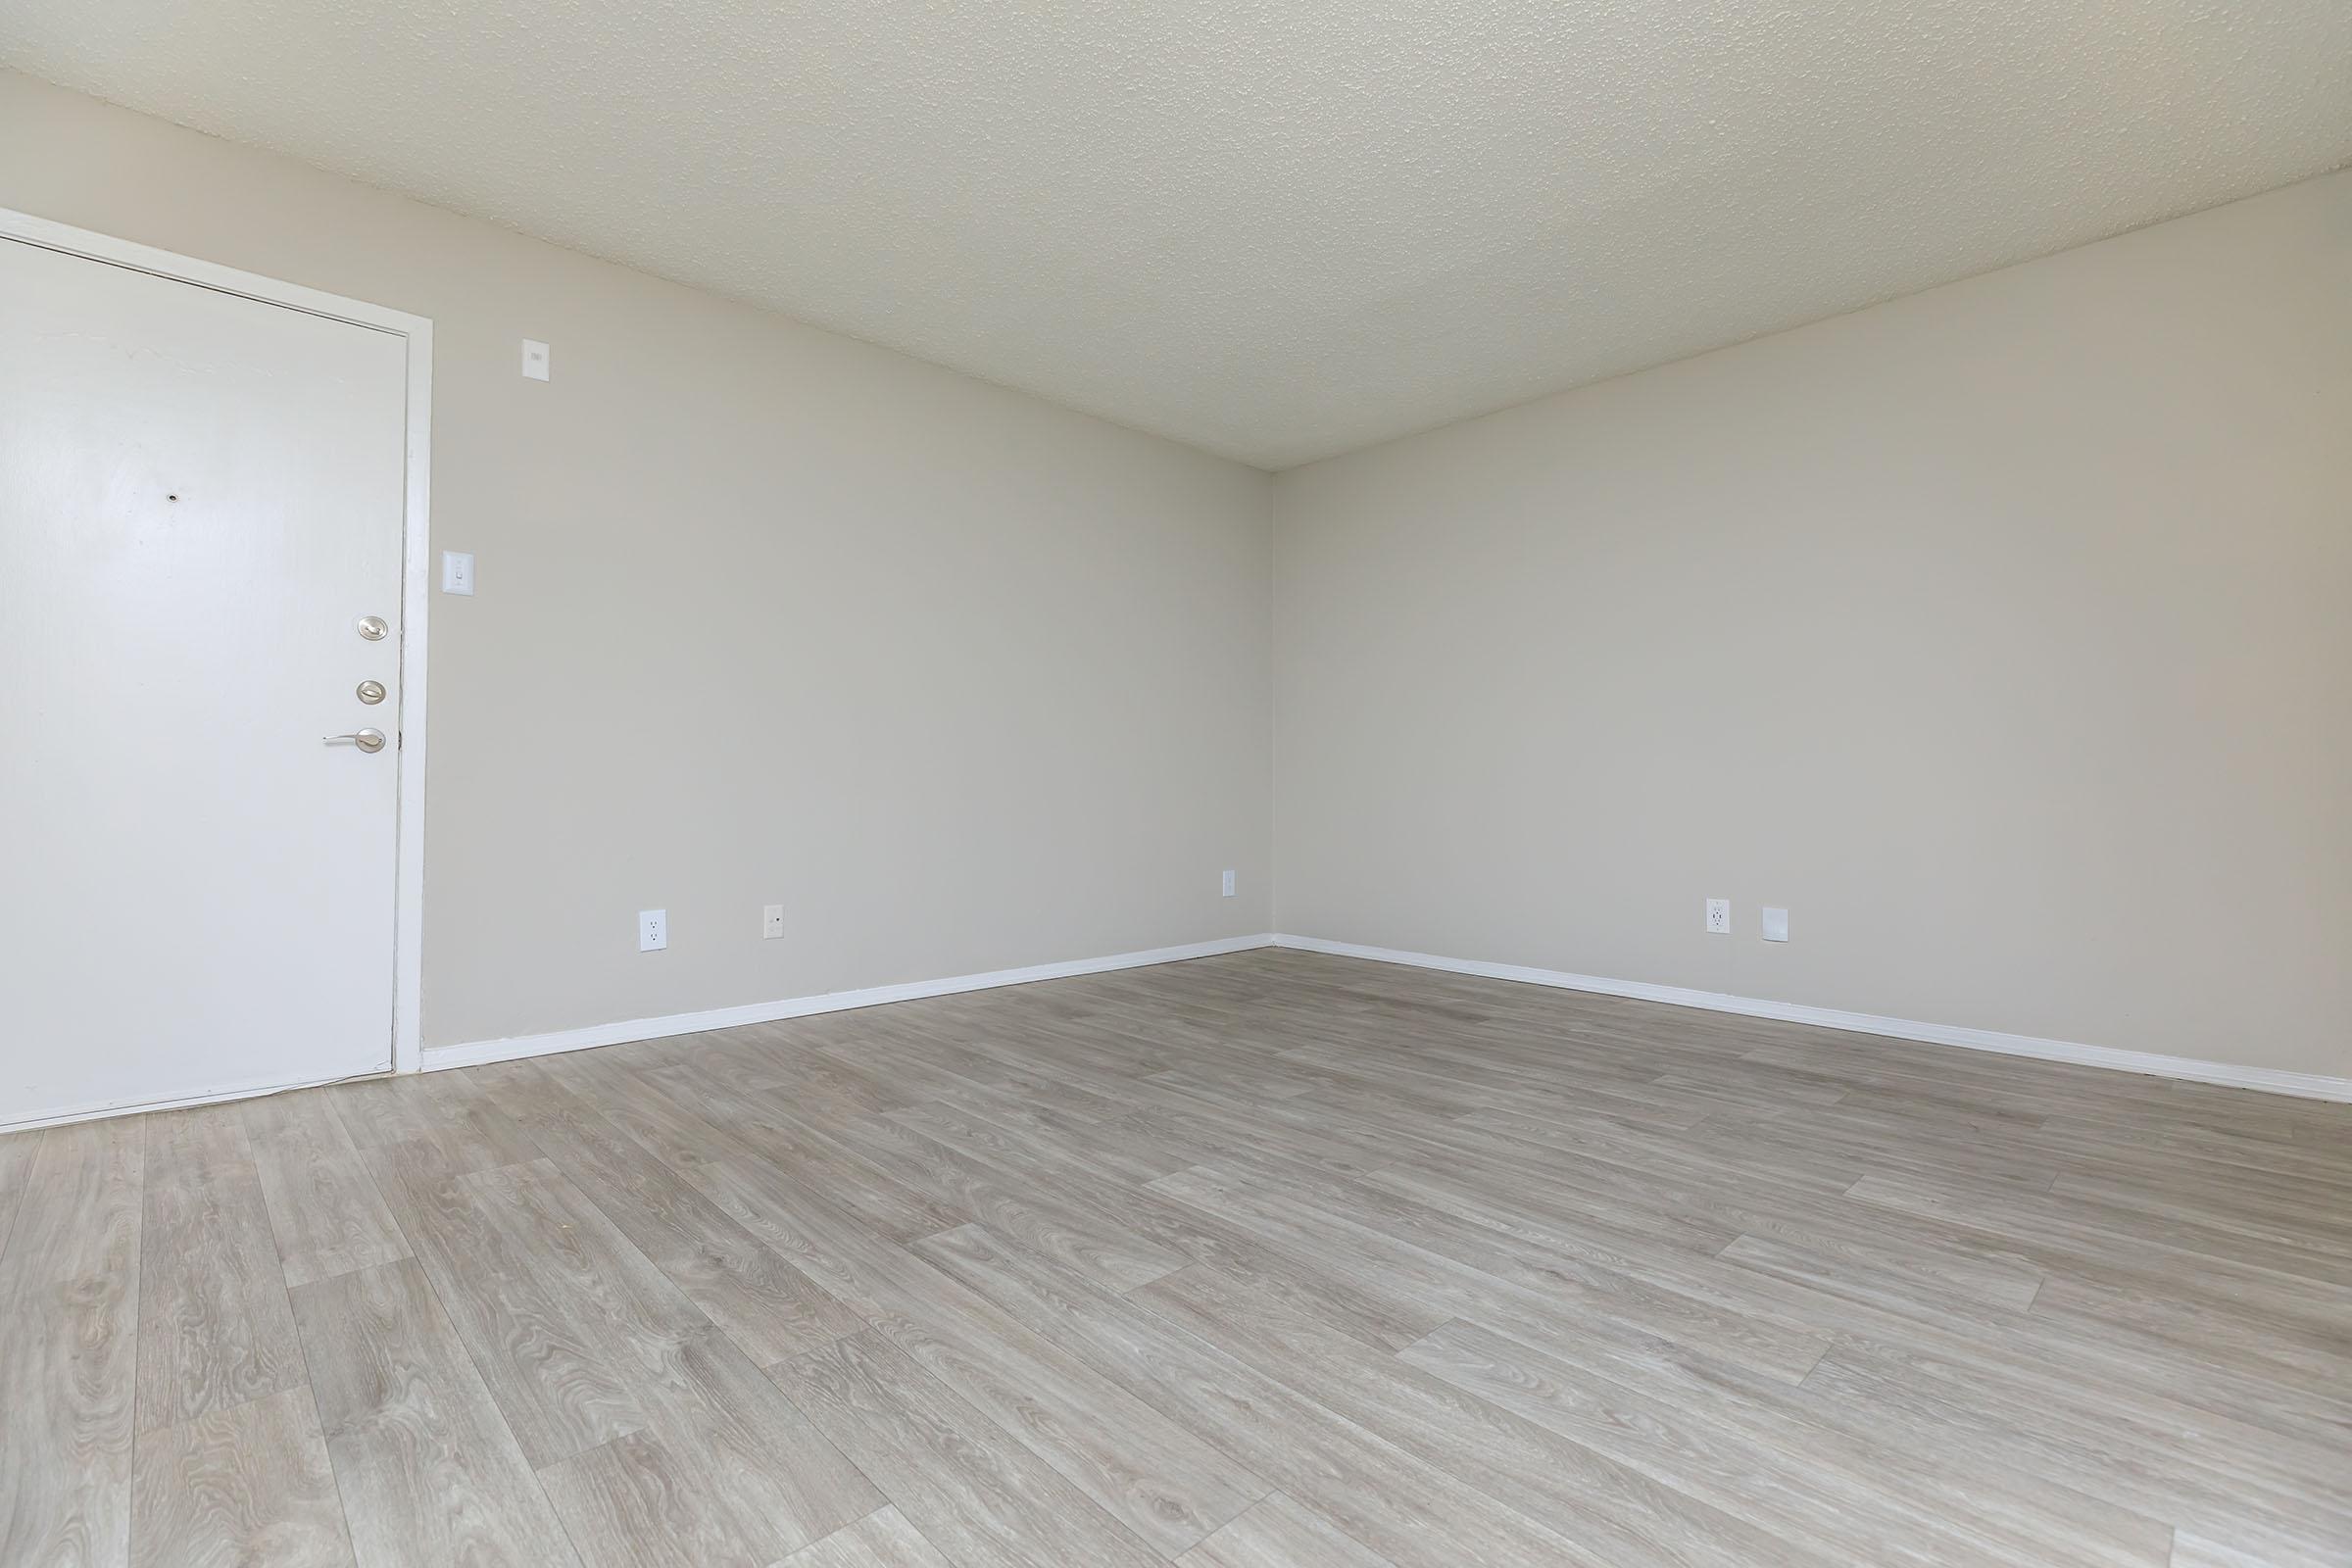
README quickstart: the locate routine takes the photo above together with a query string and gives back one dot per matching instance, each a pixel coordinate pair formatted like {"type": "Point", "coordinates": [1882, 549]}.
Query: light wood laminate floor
{"type": "Point", "coordinates": [1268, 1259]}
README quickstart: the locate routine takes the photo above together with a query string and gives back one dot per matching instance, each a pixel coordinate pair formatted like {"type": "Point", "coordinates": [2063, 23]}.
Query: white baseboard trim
{"type": "Point", "coordinates": [2270, 1080]}
{"type": "Point", "coordinates": [249, 1090]}
{"type": "Point", "coordinates": [477, 1053]}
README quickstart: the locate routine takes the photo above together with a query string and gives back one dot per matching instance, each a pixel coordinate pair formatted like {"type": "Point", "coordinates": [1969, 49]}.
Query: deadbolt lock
{"type": "Point", "coordinates": [374, 628]}
{"type": "Point", "coordinates": [372, 692]}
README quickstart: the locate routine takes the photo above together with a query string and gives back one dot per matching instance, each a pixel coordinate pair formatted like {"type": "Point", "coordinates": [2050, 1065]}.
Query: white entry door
{"type": "Point", "coordinates": [201, 515]}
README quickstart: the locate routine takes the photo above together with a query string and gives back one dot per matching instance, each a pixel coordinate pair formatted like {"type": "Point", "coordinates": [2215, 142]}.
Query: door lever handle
{"type": "Point", "coordinates": [366, 740]}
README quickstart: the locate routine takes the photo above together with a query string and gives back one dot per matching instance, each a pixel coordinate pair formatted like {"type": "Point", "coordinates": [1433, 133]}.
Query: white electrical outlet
{"type": "Point", "coordinates": [1229, 884]}
{"type": "Point", "coordinates": [535, 360]}
{"type": "Point", "coordinates": [1719, 917]}
{"type": "Point", "coordinates": [652, 930]}
{"type": "Point", "coordinates": [771, 921]}
{"type": "Point", "coordinates": [1776, 925]}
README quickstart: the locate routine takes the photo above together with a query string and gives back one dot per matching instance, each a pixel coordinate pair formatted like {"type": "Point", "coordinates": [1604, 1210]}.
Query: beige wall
{"type": "Point", "coordinates": [965, 682]}
{"type": "Point", "coordinates": [2003, 634]}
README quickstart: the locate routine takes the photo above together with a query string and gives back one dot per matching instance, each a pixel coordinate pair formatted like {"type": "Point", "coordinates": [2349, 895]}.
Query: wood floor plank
{"type": "Point", "coordinates": [1606, 1190]}
{"type": "Point", "coordinates": [69, 1305]}
{"type": "Point", "coordinates": [81, 1209]}
{"type": "Point", "coordinates": [2197, 1551]}
{"type": "Point", "coordinates": [1611, 1511]}
{"type": "Point", "coordinates": [2005, 1357]}
{"type": "Point", "coordinates": [2208, 1476]}
{"type": "Point", "coordinates": [1170, 1488]}
{"type": "Point", "coordinates": [559, 1312]}
{"type": "Point", "coordinates": [16, 1174]}
{"type": "Point", "coordinates": [324, 1207]}
{"type": "Point", "coordinates": [971, 1491]}
{"type": "Point", "coordinates": [1271, 1189]}
{"type": "Point", "coordinates": [1370, 1490]}
{"type": "Point", "coordinates": [764, 1304]}
{"type": "Point", "coordinates": [2295, 1211]}
{"type": "Point", "coordinates": [1890, 1279]}
{"type": "Point", "coordinates": [1279, 1534]}
{"type": "Point", "coordinates": [441, 1114]}
{"type": "Point", "coordinates": [583, 1342]}
{"type": "Point", "coordinates": [1781, 1474]}
{"type": "Point", "coordinates": [882, 1538]}
{"type": "Point", "coordinates": [638, 1503]}
{"type": "Point", "coordinates": [2065, 1225]}
{"type": "Point", "coordinates": [2188, 1147]}
{"type": "Point", "coordinates": [773, 1060]}
{"type": "Point", "coordinates": [1380, 1311]}
{"type": "Point", "coordinates": [428, 1473]}
{"type": "Point", "coordinates": [728, 1465]}
{"type": "Point", "coordinates": [2187, 1333]}
{"type": "Point", "coordinates": [245, 1486]}
{"type": "Point", "coordinates": [1558, 1305]}
{"type": "Point", "coordinates": [1061, 1223]}
{"type": "Point", "coordinates": [215, 1329]}
{"type": "Point", "coordinates": [1023, 1131]}
{"type": "Point", "coordinates": [689, 1116]}
{"type": "Point", "coordinates": [1578, 1196]}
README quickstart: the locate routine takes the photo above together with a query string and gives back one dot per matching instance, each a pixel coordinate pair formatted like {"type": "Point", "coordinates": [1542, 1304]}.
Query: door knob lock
{"type": "Point", "coordinates": [366, 740]}
{"type": "Point", "coordinates": [370, 692]}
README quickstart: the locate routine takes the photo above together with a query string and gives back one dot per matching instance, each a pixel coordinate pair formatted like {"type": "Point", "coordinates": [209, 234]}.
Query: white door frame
{"type": "Point", "coordinates": [408, 927]}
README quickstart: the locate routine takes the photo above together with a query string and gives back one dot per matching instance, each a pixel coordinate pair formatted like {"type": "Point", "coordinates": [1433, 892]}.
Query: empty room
{"type": "Point", "coordinates": [884, 784]}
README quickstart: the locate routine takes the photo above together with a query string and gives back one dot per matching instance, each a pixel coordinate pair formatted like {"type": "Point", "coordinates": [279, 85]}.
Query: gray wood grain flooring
{"type": "Point", "coordinates": [1272, 1260]}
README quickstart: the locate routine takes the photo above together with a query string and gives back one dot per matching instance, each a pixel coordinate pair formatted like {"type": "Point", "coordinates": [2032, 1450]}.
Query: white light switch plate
{"type": "Point", "coordinates": [456, 571]}
{"type": "Point", "coordinates": [535, 360]}
{"type": "Point", "coordinates": [1776, 925]}
{"type": "Point", "coordinates": [652, 930]}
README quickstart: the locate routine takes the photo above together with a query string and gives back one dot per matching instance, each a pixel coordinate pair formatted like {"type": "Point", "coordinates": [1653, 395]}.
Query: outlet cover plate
{"type": "Point", "coordinates": [1719, 917]}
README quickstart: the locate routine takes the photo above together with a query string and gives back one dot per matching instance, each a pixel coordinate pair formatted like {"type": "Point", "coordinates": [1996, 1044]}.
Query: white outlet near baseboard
{"type": "Point", "coordinates": [1719, 917]}
{"type": "Point", "coordinates": [1228, 884]}
{"type": "Point", "coordinates": [771, 922]}
{"type": "Point", "coordinates": [652, 930]}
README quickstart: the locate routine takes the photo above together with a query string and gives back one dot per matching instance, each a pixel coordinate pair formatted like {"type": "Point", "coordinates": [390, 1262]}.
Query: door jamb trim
{"type": "Point", "coordinates": [408, 919]}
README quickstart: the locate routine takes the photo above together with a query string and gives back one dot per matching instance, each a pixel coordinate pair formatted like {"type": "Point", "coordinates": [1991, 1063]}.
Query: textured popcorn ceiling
{"type": "Point", "coordinates": [1277, 230]}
